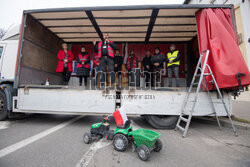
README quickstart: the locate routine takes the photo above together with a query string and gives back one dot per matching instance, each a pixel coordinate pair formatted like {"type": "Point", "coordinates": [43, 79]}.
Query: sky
{"type": "Point", "coordinates": [11, 10]}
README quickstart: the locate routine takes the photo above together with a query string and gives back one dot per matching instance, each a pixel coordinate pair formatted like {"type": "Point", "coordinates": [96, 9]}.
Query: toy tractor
{"type": "Point", "coordinates": [143, 140]}
{"type": "Point", "coordinates": [99, 130]}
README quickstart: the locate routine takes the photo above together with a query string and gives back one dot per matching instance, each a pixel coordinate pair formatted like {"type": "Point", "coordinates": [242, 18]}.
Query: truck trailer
{"type": "Point", "coordinates": [26, 63]}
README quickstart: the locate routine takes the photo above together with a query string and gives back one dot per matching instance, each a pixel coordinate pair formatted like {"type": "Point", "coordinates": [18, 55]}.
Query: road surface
{"type": "Point", "coordinates": [56, 140]}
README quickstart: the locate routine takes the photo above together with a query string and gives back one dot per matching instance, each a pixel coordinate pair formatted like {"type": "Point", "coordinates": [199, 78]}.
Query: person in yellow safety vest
{"type": "Point", "coordinates": [173, 63]}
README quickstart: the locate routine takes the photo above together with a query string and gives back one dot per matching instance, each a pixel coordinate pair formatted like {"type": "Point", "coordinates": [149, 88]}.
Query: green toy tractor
{"type": "Point", "coordinates": [99, 130]}
{"type": "Point", "coordinates": [144, 141]}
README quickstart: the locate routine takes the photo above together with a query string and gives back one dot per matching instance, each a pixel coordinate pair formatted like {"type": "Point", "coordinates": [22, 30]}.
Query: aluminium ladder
{"type": "Point", "coordinates": [184, 111]}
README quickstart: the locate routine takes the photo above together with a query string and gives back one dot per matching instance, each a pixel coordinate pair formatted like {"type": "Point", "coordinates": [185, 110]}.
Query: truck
{"type": "Point", "coordinates": [29, 57]}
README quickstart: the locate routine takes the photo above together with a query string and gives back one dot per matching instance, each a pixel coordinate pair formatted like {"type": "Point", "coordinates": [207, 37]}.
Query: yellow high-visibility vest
{"type": "Point", "coordinates": [172, 56]}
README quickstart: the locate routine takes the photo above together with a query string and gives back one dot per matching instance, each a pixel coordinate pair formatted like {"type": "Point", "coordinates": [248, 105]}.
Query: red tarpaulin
{"type": "Point", "coordinates": [216, 34]}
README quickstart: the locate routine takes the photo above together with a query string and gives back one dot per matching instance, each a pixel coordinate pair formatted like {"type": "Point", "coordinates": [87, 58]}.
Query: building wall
{"type": "Point", "coordinates": [244, 8]}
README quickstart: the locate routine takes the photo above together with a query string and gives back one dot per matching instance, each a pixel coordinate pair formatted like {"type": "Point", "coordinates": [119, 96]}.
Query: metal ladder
{"type": "Point", "coordinates": [184, 111]}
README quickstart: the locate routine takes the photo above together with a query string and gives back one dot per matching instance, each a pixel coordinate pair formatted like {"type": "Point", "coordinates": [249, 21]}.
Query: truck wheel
{"type": "Point", "coordinates": [87, 138]}
{"type": "Point", "coordinates": [158, 145]}
{"type": "Point", "coordinates": [162, 121]}
{"type": "Point", "coordinates": [3, 106]}
{"type": "Point", "coordinates": [143, 152]}
{"type": "Point", "coordinates": [120, 142]}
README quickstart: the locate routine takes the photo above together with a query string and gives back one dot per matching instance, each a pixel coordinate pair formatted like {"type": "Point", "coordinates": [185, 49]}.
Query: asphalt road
{"type": "Point", "coordinates": [56, 140]}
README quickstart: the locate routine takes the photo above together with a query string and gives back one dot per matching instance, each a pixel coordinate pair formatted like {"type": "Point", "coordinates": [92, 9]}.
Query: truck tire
{"type": "Point", "coordinates": [162, 121]}
{"type": "Point", "coordinates": [3, 106]}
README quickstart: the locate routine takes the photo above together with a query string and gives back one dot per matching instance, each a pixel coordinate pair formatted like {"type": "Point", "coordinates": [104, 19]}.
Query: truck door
{"type": "Point", "coordinates": [2, 46]}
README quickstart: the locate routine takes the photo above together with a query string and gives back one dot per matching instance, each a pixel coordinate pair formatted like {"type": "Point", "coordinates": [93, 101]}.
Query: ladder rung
{"type": "Point", "coordinates": [217, 102]}
{"type": "Point", "coordinates": [184, 119]}
{"type": "Point", "coordinates": [193, 101]}
{"type": "Point", "coordinates": [183, 113]}
{"type": "Point", "coordinates": [181, 128]}
{"type": "Point", "coordinates": [205, 74]}
{"type": "Point", "coordinates": [196, 83]}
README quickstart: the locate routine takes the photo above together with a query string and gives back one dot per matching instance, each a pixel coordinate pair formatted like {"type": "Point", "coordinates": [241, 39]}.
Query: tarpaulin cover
{"type": "Point", "coordinates": [216, 33]}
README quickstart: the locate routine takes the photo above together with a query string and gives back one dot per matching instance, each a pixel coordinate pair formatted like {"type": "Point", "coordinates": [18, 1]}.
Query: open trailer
{"type": "Point", "coordinates": [142, 28]}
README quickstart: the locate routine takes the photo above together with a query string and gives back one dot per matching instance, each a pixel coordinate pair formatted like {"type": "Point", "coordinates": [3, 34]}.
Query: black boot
{"type": "Point", "coordinates": [80, 81]}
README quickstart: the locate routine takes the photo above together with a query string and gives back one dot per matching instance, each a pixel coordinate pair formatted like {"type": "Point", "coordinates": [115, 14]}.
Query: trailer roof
{"type": "Point", "coordinates": [150, 23]}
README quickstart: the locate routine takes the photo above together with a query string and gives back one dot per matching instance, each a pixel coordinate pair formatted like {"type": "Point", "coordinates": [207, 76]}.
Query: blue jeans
{"type": "Point", "coordinates": [97, 71]}
{"type": "Point", "coordinates": [174, 70]}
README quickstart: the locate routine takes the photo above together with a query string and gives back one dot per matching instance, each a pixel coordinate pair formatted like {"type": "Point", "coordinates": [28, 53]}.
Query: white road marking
{"type": "Point", "coordinates": [91, 151]}
{"type": "Point", "coordinates": [36, 137]}
{"type": "Point", "coordinates": [98, 145]}
{"type": "Point", "coordinates": [4, 124]}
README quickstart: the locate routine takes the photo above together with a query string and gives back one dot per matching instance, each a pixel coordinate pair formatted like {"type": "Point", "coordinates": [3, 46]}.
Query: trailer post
{"type": "Point", "coordinates": [16, 80]}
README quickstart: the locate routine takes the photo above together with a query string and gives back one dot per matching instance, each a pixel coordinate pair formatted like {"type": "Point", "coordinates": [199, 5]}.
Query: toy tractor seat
{"type": "Point", "coordinates": [125, 125]}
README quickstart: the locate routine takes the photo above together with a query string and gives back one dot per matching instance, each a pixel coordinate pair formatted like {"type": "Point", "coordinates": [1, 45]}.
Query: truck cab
{"type": "Point", "coordinates": [8, 57]}
{"type": "Point", "coordinates": [8, 54]}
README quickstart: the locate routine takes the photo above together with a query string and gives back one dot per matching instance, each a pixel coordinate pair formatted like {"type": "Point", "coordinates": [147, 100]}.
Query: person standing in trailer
{"type": "Point", "coordinates": [83, 66]}
{"type": "Point", "coordinates": [131, 61]}
{"type": "Point", "coordinates": [97, 68]}
{"type": "Point", "coordinates": [173, 60]}
{"type": "Point", "coordinates": [148, 69]}
{"type": "Point", "coordinates": [158, 67]}
{"type": "Point", "coordinates": [118, 61]}
{"type": "Point", "coordinates": [105, 50]}
{"type": "Point", "coordinates": [131, 65]}
{"type": "Point", "coordinates": [64, 65]}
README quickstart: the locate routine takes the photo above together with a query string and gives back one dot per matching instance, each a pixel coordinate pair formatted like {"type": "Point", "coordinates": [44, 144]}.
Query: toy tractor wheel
{"type": "Point", "coordinates": [120, 142]}
{"type": "Point", "coordinates": [87, 138]}
{"type": "Point", "coordinates": [143, 152]}
{"type": "Point", "coordinates": [158, 145]}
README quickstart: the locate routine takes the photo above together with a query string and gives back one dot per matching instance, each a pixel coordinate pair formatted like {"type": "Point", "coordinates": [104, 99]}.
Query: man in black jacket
{"type": "Point", "coordinates": [157, 61]}
{"type": "Point", "coordinates": [118, 61]}
{"type": "Point", "coordinates": [173, 60]}
{"type": "Point", "coordinates": [148, 69]}
{"type": "Point", "coordinates": [105, 53]}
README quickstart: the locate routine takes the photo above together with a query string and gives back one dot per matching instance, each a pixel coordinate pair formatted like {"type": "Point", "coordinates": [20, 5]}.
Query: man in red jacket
{"type": "Point", "coordinates": [105, 54]}
{"type": "Point", "coordinates": [64, 65]}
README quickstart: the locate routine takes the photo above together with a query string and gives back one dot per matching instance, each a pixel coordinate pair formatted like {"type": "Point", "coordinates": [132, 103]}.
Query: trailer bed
{"type": "Point", "coordinates": [77, 100]}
